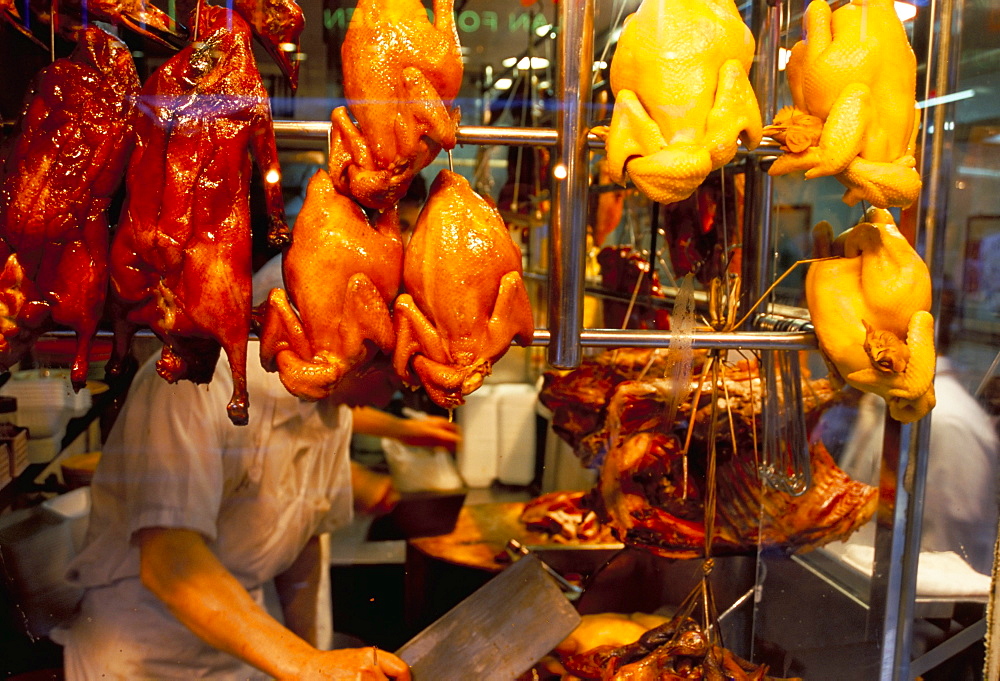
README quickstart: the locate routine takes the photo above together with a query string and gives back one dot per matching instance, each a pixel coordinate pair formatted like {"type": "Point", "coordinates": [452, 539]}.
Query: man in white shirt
{"type": "Point", "coordinates": [193, 517]}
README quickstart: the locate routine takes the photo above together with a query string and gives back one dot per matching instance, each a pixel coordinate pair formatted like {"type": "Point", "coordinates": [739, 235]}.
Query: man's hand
{"type": "Point", "coordinates": [373, 492]}
{"type": "Point", "coordinates": [355, 664]}
{"type": "Point", "coordinates": [431, 431]}
{"type": "Point", "coordinates": [180, 569]}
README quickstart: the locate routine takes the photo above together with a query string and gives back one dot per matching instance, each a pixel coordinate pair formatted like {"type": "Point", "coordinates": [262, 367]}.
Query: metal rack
{"type": "Point", "coordinates": [893, 585]}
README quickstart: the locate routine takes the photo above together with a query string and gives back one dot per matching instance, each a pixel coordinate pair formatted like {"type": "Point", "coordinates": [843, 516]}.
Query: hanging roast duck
{"type": "Point", "coordinates": [853, 83]}
{"type": "Point", "coordinates": [401, 76]}
{"type": "Point", "coordinates": [277, 24]}
{"type": "Point", "coordinates": [70, 18]}
{"type": "Point", "coordinates": [682, 97]}
{"type": "Point", "coordinates": [180, 260]}
{"type": "Point", "coordinates": [67, 160]}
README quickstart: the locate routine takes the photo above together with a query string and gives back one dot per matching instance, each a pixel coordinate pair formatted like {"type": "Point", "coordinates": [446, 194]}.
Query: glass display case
{"type": "Point", "coordinates": [535, 91]}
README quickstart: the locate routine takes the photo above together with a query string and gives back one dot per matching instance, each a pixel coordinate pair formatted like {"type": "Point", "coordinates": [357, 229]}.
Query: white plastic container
{"type": "Point", "coordinates": [516, 434]}
{"type": "Point", "coordinates": [477, 455]}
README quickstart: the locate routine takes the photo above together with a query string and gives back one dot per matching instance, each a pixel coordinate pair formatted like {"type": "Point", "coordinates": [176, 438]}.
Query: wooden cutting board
{"type": "Point", "coordinates": [480, 535]}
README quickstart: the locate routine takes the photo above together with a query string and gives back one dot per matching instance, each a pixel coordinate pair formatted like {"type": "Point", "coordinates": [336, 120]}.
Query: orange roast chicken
{"type": "Point", "coordinates": [341, 274]}
{"type": "Point", "coordinates": [401, 75]}
{"type": "Point", "coordinates": [464, 298]}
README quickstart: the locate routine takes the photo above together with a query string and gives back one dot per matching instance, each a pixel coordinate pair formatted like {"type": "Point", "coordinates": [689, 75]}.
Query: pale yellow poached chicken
{"type": "Point", "coordinates": [853, 84]}
{"type": "Point", "coordinates": [683, 99]}
{"type": "Point", "coordinates": [870, 308]}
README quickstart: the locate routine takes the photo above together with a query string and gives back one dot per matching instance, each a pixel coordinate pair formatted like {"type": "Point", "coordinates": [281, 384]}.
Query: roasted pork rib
{"type": "Point", "coordinates": [180, 260]}
{"type": "Point", "coordinates": [648, 495]}
{"type": "Point", "coordinates": [68, 159]}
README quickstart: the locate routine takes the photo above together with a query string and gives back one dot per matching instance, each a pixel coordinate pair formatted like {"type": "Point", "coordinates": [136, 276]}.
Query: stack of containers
{"type": "Point", "coordinates": [46, 402]}
{"type": "Point", "coordinates": [13, 442]}
{"type": "Point", "coordinates": [477, 455]}
{"type": "Point", "coordinates": [516, 433]}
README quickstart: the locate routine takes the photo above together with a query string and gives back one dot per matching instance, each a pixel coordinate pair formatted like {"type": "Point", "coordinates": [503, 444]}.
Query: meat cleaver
{"type": "Point", "coordinates": [498, 632]}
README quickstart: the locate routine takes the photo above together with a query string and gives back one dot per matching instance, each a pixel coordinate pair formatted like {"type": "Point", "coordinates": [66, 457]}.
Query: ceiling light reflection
{"type": "Point", "coordinates": [524, 63]}
{"type": "Point", "coordinates": [905, 10]}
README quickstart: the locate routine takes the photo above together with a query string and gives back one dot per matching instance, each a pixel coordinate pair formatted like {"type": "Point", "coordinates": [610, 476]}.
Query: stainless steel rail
{"type": "Point", "coordinates": [482, 135]}
{"type": "Point", "coordinates": [743, 340]}
{"type": "Point", "coordinates": [617, 338]}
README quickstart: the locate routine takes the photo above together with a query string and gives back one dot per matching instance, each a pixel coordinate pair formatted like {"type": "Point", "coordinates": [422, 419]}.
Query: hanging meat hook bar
{"type": "Point", "coordinates": [612, 338]}
{"type": "Point", "coordinates": [291, 130]}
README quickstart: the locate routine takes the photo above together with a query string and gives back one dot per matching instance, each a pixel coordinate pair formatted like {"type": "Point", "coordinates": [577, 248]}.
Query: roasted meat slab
{"type": "Point", "coordinates": [401, 76]}
{"type": "Point", "coordinates": [342, 273]}
{"type": "Point", "coordinates": [655, 500]}
{"type": "Point", "coordinates": [180, 260]}
{"type": "Point", "coordinates": [68, 159]}
{"type": "Point", "coordinates": [464, 299]}
{"type": "Point", "coordinates": [678, 649]}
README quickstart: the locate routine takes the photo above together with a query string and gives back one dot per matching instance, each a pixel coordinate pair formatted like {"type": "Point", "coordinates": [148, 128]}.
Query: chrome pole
{"type": "Point", "coordinates": [904, 462]}
{"type": "Point", "coordinates": [757, 227]}
{"type": "Point", "coordinates": [570, 182]}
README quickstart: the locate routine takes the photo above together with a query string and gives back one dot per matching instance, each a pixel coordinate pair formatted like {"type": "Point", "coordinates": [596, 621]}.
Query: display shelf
{"type": "Point", "coordinates": [705, 340]}
{"type": "Point", "coordinates": [28, 481]}
{"type": "Point", "coordinates": [889, 594]}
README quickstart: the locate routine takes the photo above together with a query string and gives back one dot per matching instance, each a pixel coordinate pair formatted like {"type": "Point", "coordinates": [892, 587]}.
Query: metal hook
{"type": "Point", "coordinates": [785, 463]}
